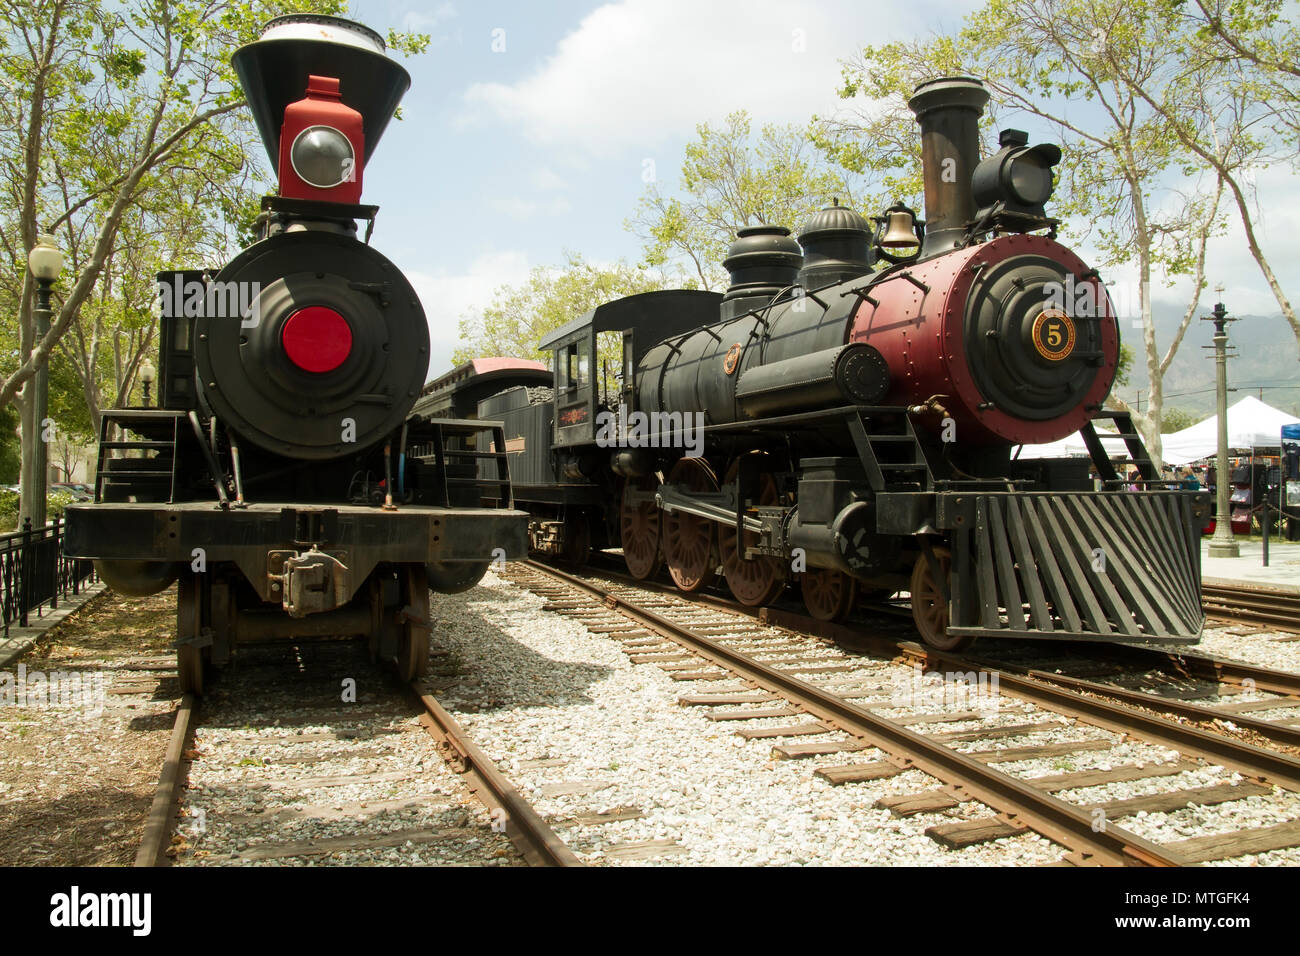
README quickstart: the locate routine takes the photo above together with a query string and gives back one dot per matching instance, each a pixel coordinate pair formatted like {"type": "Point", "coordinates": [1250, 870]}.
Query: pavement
{"type": "Point", "coordinates": [1282, 573]}
{"type": "Point", "coordinates": [19, 639]}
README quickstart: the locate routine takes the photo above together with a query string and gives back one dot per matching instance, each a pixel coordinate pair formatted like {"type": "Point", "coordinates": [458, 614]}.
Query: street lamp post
{"type": "Point", "coordinates": [1222, 545]}
{"type": "Point", "coordinates": [148, 375]}
{"type": "Point", "coordinates": [45, 262]}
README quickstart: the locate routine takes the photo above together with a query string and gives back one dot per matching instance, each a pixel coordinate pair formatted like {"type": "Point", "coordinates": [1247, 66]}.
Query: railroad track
{"type": "Point", "coordinates": [1164, 681]}
{"type": "Point", "coordinates": [840, 706]}
{"type": "Point", "coordinates": [1266, 607]}
{"type": "Point", "coordinates": [325, 778]}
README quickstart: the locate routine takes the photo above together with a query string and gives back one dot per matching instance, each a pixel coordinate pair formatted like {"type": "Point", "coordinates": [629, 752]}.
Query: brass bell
{"type": "Point", "coordinates": [900, 231]}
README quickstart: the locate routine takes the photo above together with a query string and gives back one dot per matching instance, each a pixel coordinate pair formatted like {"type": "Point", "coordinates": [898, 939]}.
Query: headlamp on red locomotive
{"type": "Point", "coordinates": [322, 146]}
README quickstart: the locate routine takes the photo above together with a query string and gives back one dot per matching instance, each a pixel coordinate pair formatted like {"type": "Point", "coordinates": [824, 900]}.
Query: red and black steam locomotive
{"type": "Point", "coordinates": [848, 425]}
{"type": "Point", "coordinates": [283, 479]}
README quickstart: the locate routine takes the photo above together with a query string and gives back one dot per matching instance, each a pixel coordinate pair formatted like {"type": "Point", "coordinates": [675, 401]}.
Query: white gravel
{"type": "Point", "coordinates": [1256, 647]}
{"type": "Point", "coordinates": [299, 765]}
{"type": "Point", "coordinates": [582, 730]}
{"type": "Point", "coordinates": [557, 705]}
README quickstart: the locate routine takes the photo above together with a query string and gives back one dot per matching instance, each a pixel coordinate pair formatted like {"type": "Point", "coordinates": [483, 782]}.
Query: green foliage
{"type": "Point", "coordinates": [55, 503]}
{"type": "Point", "coordinates": [1124, 367]}
{"type": "Point", "coordinates": [731, 179]}
{"type": "Point", "coordinates": [1176, 419]}
{"type": "Point", "coordinates": [520, 315]}
{"type": "Point", "coordinates": [10, 456]}
{"type": "Point", "coordinates": [875, 134]}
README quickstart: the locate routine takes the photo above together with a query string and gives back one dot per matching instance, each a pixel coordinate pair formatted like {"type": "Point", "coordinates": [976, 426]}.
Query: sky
{"type": "Point", "coordinates": [530, 127]}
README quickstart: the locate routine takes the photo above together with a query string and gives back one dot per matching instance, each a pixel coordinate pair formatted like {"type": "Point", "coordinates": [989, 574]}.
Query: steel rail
{"type": "Point", "coordinates": [1192, 711]}
{"type": "Point", "coordinates": [540, 844]}
{"type": "Point", "coordinates": [162, 812]}
{"type": "Point", "coordinates": [1265, 606]}
{"type": "Point", "coordinates": [1017, 800]}
{"type": "Point", "coordinates": [1277, 768]}
{"type": "Point", "coordinates": [1197, 665]}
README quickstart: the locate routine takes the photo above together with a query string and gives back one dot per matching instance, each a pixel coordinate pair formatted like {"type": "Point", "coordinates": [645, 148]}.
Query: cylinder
{"type": "Point", "coordinates": [948, 110]}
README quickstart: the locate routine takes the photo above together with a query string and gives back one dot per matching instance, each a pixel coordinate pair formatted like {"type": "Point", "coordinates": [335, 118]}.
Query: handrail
{"type": "Point", "coordinates": [34, 572]}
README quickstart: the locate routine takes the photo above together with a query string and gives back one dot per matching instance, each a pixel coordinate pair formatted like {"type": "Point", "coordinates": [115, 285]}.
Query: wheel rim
{"type": "Point", "coordinates": [639, 526]}
{"type": "Point", "coordinates": [760, 580]}
{"type": "Point", "coordinates": [929, 609]}
{"type": "Point", "coordinates": [413, 646]}
{"type": "Point", "coordinates": [189, 669]}
{"type": "Point", "coordinates": [828, 594]}
{"type": "Point", "coordinates": [688, 540]}
{"type": "Point", "coordinates": [189, 624]}
{"type": "Point", "coordinates": [577, 544]}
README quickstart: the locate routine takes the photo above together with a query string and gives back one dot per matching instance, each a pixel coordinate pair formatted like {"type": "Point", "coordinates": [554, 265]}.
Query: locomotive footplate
{"type": "Point", "coordinates": [261, 539]}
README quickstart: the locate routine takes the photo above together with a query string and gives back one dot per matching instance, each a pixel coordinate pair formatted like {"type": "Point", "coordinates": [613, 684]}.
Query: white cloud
{"type": "Point", "coordinates": [419, 21]}
{"type": "Point", "coordinates": [547, 180]}
{"type": "Point", "coordinates": [448, 297]}
{"type": "Point", "coordinates": [639, 72]}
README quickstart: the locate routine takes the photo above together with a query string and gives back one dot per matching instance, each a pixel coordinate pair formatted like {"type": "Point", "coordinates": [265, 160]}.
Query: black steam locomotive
{"type": "Point", "coordinates": [847, 424]}
{"type": "Point", "coordinates": [283, 479]}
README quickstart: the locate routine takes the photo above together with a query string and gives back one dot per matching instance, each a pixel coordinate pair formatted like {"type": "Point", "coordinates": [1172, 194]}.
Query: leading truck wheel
{"type": "Point", "coordinates": [189, 668]}
{"type": "Point", "coordinates": [413, 617]}
{"type": "Point", "coordinates": [577, 540]}
{"type": "Point", "coordinates": [929, 608]}
{"type": "Point", "coordinates": [190, 663]}
{"type": "Point", "coordinates": [454, 577]}
{"type": "Point", "coordinates": [828, 594]}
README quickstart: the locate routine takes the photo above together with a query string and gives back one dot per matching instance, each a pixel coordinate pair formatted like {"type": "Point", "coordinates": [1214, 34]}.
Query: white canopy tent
{"type": "Point", "coordinates": [1251, 424]}
{"type": "Point", "coordinates": [1073, 446]}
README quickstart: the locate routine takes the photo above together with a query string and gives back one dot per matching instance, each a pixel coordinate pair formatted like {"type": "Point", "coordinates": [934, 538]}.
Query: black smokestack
{"type": "Point", "coordinates": [948, 110]}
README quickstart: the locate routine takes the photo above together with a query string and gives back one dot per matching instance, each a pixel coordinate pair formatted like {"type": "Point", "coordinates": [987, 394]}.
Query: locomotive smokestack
{"type": "Point", "coordinates": [948, 110]}
{"type": "Point", "coordinates": [274, 72]}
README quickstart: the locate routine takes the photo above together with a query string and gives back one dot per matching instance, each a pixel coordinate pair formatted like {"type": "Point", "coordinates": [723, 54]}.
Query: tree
{"type": "Point", "coordinates": [1229, 110]}
{"type": "Point", "coordinates": [1255, 32]}
{"type": "Point", "coordinates": [1176, 419]}
{"type": "Point", "coordinates": [520, 315]}
{"type": "Point", "coordinates": [729, 181]}
{"type": "Point", "coordinates": [874, 134]}
{"type": "Point", "coordinates": [1126, 182]}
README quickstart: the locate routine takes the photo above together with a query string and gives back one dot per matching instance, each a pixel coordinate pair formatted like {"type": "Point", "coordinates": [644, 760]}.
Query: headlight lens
{"type": "Point", "coordinates": [323, 157]}
{"type": "Point", "coordinates": [1030, 179]}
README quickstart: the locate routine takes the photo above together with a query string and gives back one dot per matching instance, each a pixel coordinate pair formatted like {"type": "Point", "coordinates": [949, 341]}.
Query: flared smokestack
{"type": "Point", "coordinates": [274, 72]}
{"type": "Point", "coordinates": [948, 110]}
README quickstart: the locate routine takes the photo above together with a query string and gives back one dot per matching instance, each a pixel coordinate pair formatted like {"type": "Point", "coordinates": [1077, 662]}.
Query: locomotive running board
{"type": "Point", "coordinates": [1083, 566]}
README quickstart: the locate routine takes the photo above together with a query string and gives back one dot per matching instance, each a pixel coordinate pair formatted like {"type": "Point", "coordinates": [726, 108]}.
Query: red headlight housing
{"type": "Point", "coordinates": [322, 146]}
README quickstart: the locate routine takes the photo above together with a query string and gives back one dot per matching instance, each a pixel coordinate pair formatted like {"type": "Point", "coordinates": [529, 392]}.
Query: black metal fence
{"type": "Point", "coordinates": [34, 572]}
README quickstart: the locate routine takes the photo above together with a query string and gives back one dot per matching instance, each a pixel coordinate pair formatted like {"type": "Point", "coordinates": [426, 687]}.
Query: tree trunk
{"type": "Point", "coordinates": [1155, 373]}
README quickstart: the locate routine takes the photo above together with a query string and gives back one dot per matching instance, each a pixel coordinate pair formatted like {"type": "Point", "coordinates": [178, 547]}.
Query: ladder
{"type": "Point", "coordinates": [140, 463]}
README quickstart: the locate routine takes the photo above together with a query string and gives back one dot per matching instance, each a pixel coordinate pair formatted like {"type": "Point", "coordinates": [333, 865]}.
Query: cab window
{"type": "Point", "coordinates": [577, 365]}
